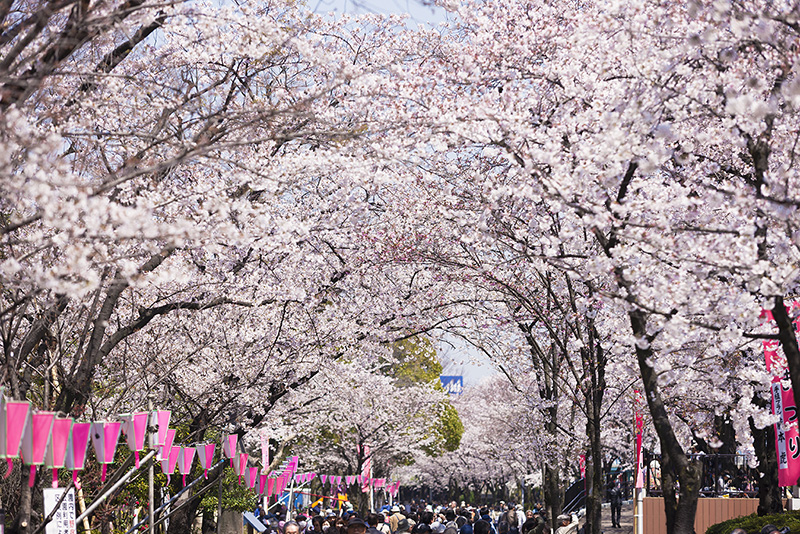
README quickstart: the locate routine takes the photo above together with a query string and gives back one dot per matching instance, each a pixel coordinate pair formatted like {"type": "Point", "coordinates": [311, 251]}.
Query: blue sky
{"type": "Point", "coordinates": [419, 12]}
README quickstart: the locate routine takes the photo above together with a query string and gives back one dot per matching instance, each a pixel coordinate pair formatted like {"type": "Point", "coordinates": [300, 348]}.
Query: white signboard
{"type": "Point", "coordinates": [64, 519]}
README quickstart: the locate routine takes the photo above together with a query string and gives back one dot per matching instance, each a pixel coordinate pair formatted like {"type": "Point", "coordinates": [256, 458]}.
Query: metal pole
{"type": "Point", "coordinates": [291, 497]}
{"type": "Point", "coordinates": [371, 490]}
{"type": "Point", "coordinates": [640, 510]}
{"type": "Point", "coordinates": [112, 489]}
{"type": "Point", "coordinates": [219, 501]}
{"type": "Point", "coordinates": [150, 476]}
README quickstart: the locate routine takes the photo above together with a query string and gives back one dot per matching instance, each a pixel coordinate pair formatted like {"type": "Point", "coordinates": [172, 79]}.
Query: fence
{"type": "Point", "coordinates": [709, 512]}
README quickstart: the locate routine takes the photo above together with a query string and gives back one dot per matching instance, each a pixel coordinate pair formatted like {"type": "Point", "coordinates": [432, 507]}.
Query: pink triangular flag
{"type": "Point", "coordinates": [77, 448]}
{"type": "Point", "coordinates": [170, 461]}
{"type": "Point", "coordinates": [205, 455]}
{"type": "Point", "coordinates": [185, 461]}
{"type": "Point", "coordinates": [166, 449]}
{"type": "Point", "coordinates": [135, 429]}
{"type": "Point", "coordinates": [262, 483]}
{"type": "Point", "coordinates": [270, 487]}
{"type": "Point", "coordinates": [15, 419]}
{"type": "Point", "coordinates": [105, 435]}
{"type": "Point", "coordinates": [324, 479]}
{"type": "Point", "coordinates": [159, 419]}
{"type": "Point", "coordinates": [229, 447]}
{"type": "Point", "coordinates": [35, 440]}
{"type": "Point", "coordinates": [36, 437]}
{"type": "Point", "coordinates": [56, 454]}
{"type": "Point", "coordinates": [252, 477]}
{"type": "Point", "coordinates": [241, 466]}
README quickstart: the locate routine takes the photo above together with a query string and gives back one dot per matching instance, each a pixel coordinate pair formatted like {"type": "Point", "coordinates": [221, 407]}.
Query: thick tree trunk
{"type": "Point", "coordinates": [209, 525]}
{"type": "Point", "coordinates": [552, 493]}
{"type": "Point", "coordinates": [676, 467]}
{"type": "Point", "coordinates": [594, 365]}
{"type": "Point", "coordinates": [181, 521]}
{"type": "Point", "coordinates": [769, 496]}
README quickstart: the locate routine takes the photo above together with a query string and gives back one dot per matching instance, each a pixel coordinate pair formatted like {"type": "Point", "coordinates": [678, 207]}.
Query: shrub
{"type": "Point", "coordinates": [753, 523]}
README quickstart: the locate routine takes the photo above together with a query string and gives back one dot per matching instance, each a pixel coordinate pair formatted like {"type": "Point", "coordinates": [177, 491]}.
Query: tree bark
{"type": "Point", "coordinates": [594, 363]}
{"type": "Point", "coordinates": [676, 466]}
{"type": "Point", "coordinates": [769, 497]}
{"type": "Point", "coordinates": [552, 493]}
{"type": "Point", "coordinates": [22, 521]}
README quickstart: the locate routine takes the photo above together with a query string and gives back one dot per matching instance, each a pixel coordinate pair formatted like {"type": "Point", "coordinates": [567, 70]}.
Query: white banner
{"type": "Point", "coordinates": [64, 519]}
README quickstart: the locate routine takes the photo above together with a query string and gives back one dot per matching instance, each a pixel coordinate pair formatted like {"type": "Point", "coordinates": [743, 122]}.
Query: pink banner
{"type": "Point", "coordinates": [638, 410]}
{"type": "Point", "coordinates": [787, 437]}
{"type": "Point", "coordinates": [366, 470]}
{"type": "Point", "coordinates": [264, 451]}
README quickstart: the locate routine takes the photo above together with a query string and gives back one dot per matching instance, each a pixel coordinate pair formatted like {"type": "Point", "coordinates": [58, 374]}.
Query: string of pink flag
{"type": "Point", "coordinates": [43, 439]}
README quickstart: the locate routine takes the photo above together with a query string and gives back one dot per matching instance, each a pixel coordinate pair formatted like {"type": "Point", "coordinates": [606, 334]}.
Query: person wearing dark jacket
{"type": "Point", "coordinates": [615, 497]}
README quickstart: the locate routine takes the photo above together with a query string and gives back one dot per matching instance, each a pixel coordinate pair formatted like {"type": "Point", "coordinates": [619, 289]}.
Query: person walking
{"type": "Point", "coordinates": [615, 497]}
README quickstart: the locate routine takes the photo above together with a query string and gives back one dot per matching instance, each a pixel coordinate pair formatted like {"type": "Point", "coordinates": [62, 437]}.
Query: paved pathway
{"type": "Point", "coordinates": [626, 520]}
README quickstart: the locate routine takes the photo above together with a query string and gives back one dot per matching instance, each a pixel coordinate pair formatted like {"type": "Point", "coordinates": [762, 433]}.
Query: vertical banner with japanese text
{"type": "Point", "coordinates": [638, 407]}
{"type": "Point", "coordinates": [787, 436]}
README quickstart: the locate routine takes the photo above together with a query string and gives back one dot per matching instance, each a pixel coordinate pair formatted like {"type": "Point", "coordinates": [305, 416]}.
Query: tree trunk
{"type": "Point", "coordinates": [181, 522]}
{"type": "Point", "coordinates": [769, 496]}
{"type": "Point", "coordinates": [209, 525]}
{"type": "Point", "coordinates": [594, 366]}
{"type": "Point", "coordinates": [22, 521]}
{"type": "Point", "coordinates": [552, 493]}
{"type": "Point", "coordinates": [680, 509]}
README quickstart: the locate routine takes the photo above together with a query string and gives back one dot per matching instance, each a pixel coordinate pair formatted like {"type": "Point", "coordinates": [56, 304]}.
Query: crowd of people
{"type": "Point", "coordinates": [419, 519]}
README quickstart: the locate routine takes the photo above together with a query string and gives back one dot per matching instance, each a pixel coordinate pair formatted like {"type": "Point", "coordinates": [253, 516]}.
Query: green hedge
{"type": "Point", "coordinates": [753, 523]}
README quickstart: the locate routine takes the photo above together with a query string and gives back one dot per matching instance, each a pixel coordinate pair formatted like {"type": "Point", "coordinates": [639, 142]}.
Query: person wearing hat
{"type": "Point", "coordinates": [567, 525]}
{"type": "Point", "coordinates": [402, 526]}
{"type": "Point", "coordinates": [395, 518]}
{"type": "Point", "coordinates": [356, 525]}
